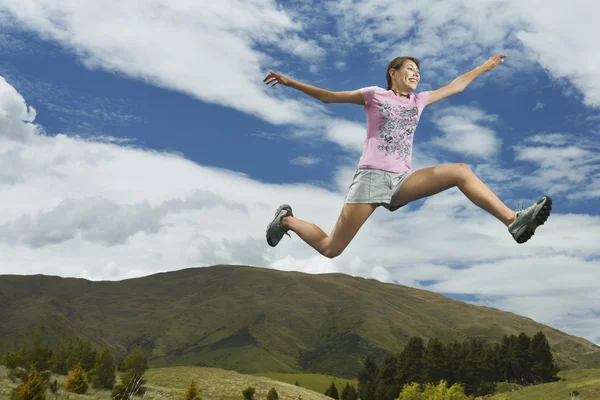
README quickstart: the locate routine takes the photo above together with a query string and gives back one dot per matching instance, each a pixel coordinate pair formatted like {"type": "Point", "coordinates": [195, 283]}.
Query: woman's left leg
{"type": "Point", "coordinates": [429, 181]}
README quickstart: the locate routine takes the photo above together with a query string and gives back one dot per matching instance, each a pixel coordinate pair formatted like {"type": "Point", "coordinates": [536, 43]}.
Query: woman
{"type": "Point", "coordinates": [384, 176]}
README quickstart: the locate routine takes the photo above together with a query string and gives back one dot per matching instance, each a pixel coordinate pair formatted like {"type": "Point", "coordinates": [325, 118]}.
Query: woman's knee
{"type": "Point", "coordinates": [331, 249]}
{"type": "Point", "coordinates": [332, 252]}
{"type": "Point", "coordinates": [463, 172]}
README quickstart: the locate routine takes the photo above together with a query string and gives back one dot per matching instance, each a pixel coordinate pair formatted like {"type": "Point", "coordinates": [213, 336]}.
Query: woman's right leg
{"type": "Point", "coordinates": [352, 217]}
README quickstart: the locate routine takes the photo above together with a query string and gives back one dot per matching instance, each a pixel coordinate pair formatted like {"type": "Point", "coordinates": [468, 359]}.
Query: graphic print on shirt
{"type": "Point", "coordinates": [397, 129]}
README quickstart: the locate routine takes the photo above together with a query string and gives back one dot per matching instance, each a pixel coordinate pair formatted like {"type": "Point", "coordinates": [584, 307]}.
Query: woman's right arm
{"type": "Point", "coordinates": [325, 96]}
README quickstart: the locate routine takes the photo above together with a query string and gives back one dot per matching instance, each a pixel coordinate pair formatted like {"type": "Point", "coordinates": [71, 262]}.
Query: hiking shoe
{"type": "Point", "coordinates": [274, 230]}
{"type": "Point", "coordinates": [526, 221]}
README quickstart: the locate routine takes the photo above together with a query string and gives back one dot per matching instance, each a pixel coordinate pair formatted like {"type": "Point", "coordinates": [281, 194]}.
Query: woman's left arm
{"type": "Point", "coordinates": [460, 83]}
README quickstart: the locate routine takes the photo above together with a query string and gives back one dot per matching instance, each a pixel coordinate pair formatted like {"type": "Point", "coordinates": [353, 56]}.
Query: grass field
{"type": "Point", "coordinates": [317, 382]}
{"type": "Point", "coordinates": [218, 384]}
{"type": "Point", "coordinates": [586, 382]}
{"type": "Point", "coordinates": [215, 384]}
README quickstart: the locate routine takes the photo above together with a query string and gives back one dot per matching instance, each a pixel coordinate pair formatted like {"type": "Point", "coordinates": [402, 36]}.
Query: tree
{"type": "Point", "coordinates": [134, 365]}
{"type": "Point", "coordinates": [522, 362]}
{"type": "Point", "coordinates": [388, 387]}
{"type": "Point", "coordinates": [543, 367]}
{"type": "Point", "coordinates": [192, 392]}
{"type": "Point", "coordinates": [349, 393]}
{"type": "Point", "coordinates": [59, 362]}
{"type": "Point", "coordinates": [104, 370]}
{"type": "Point", "coordinates": [332, 392]}
{"type": "Point", "coordinates": [410, 362]}
{"type": "Point", "coordinates": [76, 381]}
{"type": "Point", "coordinates": [39, 354]}
{"type": "Point", "coordinates": [272, 395]}
{"type": "Point", "coordinates": [33, 389]}
{"type": "Point", "coordinates": [13, 359]}
{"type": "Point", "coordinates": [367, 379]}
{"type": "Point", "coordinates": [435, 361]}
{"type": "Point", "coordinates": [248, 393]}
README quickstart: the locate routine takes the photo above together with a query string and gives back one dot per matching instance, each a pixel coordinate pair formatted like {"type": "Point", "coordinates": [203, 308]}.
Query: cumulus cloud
{"type": "Point", "coordinates": [454, 36]}
{"type": "Point", "coordinates": [465, 132]}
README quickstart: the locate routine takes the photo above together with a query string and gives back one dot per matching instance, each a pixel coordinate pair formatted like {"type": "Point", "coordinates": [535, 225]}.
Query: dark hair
{"type": "Point", "coordinates": [396, 64]}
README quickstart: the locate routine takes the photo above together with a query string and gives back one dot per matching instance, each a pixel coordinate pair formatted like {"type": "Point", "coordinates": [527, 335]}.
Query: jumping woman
{"type": "Point", "coordinates": [384, 176]}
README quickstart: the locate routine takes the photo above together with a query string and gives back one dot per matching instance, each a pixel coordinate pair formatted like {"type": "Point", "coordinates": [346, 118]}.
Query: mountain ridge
{"type": "Point", "coordinates": [253, 319]}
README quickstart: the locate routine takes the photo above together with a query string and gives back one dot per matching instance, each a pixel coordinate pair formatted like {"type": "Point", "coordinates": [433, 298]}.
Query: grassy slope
{"type": "Point", "coordinates": [170, 383]}
{"type": "Point", "coordinates": [253, 319]}
{"type": "Point", "coordinates": [586, 382]}
{"type": "Point", "coordinates": [317, 382]}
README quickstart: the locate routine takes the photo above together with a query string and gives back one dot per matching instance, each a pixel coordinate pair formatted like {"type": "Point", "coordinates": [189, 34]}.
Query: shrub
{"type": "Point", "coordinates": [19, 373]}
{"type": "Point", "coordinates": [192, 392]}
{"type": "Point", "coordinates": [53, 386]}
{"type": "Point", "coordinates": [414, 391]}
{"type": "Point", "coordinates": [272, 395]}
{"type": "Point", "coordinates": [76, 381]}
{"type": "Point", "coordinates": [248, 393]}
{"type": "Point", "coordinates": [33, 389]}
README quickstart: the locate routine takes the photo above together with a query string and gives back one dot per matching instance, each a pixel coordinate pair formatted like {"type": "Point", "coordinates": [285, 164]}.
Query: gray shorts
{"type": "Point", "coordinates": [374, 186]}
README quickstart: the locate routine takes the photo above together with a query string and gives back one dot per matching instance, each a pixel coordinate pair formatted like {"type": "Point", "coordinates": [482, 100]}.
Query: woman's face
{"type": "Point", "coordinates": [406, 77]}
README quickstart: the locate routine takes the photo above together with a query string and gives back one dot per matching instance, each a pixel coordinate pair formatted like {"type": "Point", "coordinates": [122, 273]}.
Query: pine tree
{"type": "Point", "coordinates": [367, 379]}
{"type": "Point", "coordinates": [456, 363]}
{"type": "Point", "coordinates": [543, 367]}
{"type": "Point", "coordinates": [39, 354]}
{"type": "Point", "coordinates": [522, 362]}
{"type": "Point", "coordinates": [87, 355]}
{"type": "Point", "coordinates": [192, 392]}
{"type": "Point", "coordinates": [350, 392]}
{"type": "Point", "coordinates": [332, 392]}
{"type": "Point", "coordinates": [388, 387]}
{"type": "Point", "coordinates": [134, 365]}
{"type": "Point", "coordinates": [410, 362]}
{"type": "Point", "coordinates": [59, 361]}
{"type": "Point", "coordinates": [435, 361]}
{"type": "Point", "coordinates": [76, 381]}
{"type": "Point", "coordinates": [104, 370]}
{"type": "Point", "coordinates": [33, 389]}
{"type": "Point", "coordinates": [505, 359]}
{"type": "Point", "coordinates": [272, 395]}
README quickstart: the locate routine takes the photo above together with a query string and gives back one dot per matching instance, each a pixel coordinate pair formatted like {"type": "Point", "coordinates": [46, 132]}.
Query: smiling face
{"type": "Point", "coordinates": [404, 75]}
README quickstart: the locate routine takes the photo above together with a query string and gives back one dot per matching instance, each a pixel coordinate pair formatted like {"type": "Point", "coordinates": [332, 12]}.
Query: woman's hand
{"type": "Point", "coordinates": [493, 62]}
{"type": "Point", "coordinates": [277, 78]}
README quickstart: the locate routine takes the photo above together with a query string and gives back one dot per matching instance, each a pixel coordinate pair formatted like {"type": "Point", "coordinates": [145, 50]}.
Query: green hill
{"type": "Point", "coordinates": [255, 320]}
{"type": "Point", "coordinates": [586, 382]}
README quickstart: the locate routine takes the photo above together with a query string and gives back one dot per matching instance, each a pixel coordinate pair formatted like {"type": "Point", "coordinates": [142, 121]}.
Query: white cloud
{"type": "Point", "coordinates": [566, 165]}
{"type": "Point", "coordinates": [207, 52]}
{"type": "Point", "coordinates": [465, 133]}
{"type": "Point", "coordinates": [455, 35]}
{"type": "Point", "coordinates": [305, 161]}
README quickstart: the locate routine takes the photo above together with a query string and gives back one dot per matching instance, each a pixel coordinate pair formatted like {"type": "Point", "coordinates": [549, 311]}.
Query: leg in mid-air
{"type": "Point", "coordinates": [352, 217]}
{"type": "Point", "coordinates": [429, 181]}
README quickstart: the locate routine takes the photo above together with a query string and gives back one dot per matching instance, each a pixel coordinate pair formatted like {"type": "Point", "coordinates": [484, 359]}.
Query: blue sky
{"type": "Point", "coordinates": [156, 146]}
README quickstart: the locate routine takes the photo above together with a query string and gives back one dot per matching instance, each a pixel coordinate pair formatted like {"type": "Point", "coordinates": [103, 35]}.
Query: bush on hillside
{"type": "Point", "coordinates": [33, 389]}
{"type": "Point", "coordinates": [77, 381]}
{"type": "Point", "coordinates": [415, 391]}
{"type": "Point", "coordinates": [192, 392]}
{"type": "Point", "coordinates": [248, 393]}
{"type": "Point", "coordinates": [272, 395]}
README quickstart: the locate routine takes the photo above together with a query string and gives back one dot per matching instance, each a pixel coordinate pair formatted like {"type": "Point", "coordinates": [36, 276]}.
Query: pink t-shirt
{"type": "Point", "coordinates": [391, 124]}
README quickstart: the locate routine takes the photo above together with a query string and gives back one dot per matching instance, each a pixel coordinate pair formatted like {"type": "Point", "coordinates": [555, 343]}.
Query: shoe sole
{"type": "Point", "coordinates": [540, 219]}
{"type": "Point", "coordinates": [281, 207]}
